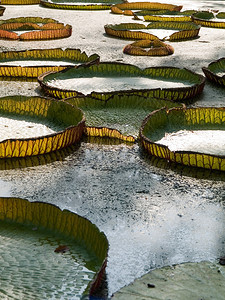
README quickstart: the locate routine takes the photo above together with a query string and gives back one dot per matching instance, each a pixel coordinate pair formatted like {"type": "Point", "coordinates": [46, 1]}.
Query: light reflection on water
{"type": "Point", "coordinates": [151, 216]}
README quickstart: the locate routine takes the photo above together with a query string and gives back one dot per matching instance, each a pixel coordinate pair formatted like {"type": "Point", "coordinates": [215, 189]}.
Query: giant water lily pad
{"type": "Point", "coordinates": [105, 79]}
{"type": "Point", "coordinates": [21, 130]}
{"type": "Point", "coordinates": [167, 16]}
{"type": "Point", "coordinates": [164, 12]}
{"type": "Point", "coordinates": [148, 48]}
{"type": "Point", "coordinates": [202, 280]}
{"type": "Point", "coordinates": [172, 31]}
{"type": "Point", "coordinates": [191, 136]}
{"type": "Point", "coordinates": [215, 71]}
{"type": "Point", "coordinates": [120, 117]}
{"type": "Point", "coordinates": [33, 28]}
{"type": "Point", "coordinates": [209, 19]}
{"type": "Point", "coordinates": [79, 5]}
{"type": "Point", "coordinates": [48, 253]}
{"type": "Point", "coordinates": [20, 2]}
{"type": "Point", "coordinates": [32, 63]}
{"type": "Point", "coordinates": [127, 8]}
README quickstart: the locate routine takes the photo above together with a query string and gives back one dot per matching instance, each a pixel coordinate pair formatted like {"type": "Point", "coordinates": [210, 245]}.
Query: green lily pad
{"type": "Point", "coordinates": [168, 16]}
{"type": "Point", "coordinates": [127, 8]}
{"type": "Point", "coordinates": [190, 136]}
{"type": "Point", "coordinates": [33, 28]}
{"type": "Point", "coordinates": [171, 31]}
{"type": "Point", "coordinates": [221, 15]}
{"type": "Point", "coordinates": [20, 2]}
{"type": "Point", "coordinates": [215, 71]}
{"type": "Point", "coordinates": [20, 138]}
{"type": "Point", "coordinates": [32, 63]}
{"type": "Point", "coordinates": [79, 5]}
{"type": "Point", "coordinates": [120, 116]}
{"type": "Point", "coordinates": [164, 12]}
{"type": "Point", "coordinates": [209, 19]}
{"type": "Point", "coordinates": [47, 253]}
{"type": "Point", "coordinates": [103, 80]}
{"type": "Point", "coordinates": [203, 280]}
{"type": "Point", "coordinates": [148, 48]}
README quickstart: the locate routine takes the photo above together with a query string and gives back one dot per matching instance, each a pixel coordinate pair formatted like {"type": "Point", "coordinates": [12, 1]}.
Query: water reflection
{"type": "Point", "coordinates": [152, 216]}
{"type": "Point", "coordinates": [37, 160]}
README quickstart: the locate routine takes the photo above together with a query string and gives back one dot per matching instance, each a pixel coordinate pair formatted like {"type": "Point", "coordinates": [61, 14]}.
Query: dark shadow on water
{"type": "Point", "coordinates": [37, 160]}
{"type": "Point", "coordinates": [105, 141]}
{"type": "Point", "coordinates": [22, 79]}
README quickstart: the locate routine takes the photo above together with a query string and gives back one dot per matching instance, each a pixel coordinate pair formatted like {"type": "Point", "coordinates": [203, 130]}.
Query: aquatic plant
{"type": "Point", "coordinates": [69, 119]}
{"type": "Point", "coordinates": [154, 48]}
{"type": "Point", "coordinates": [119, 117]}
{"type": "Point", "coordinates": [209, 19]}
{"type": "Point", "coordinates": [103, 80]}
{"type": "Point", "coordinates": [126, 8]}
{"type": "Point", "coordinates": [20, 2]}
{"type": "Point", "coordinates": [183, 281]}
{"type": "Point", "coordinates": [25, 69]}
{"type": "Point", "coordinates": [36, 28]}
{"type": "Point", "coordinates": [79, 5]}
{"type": "Point", "coordinates": [42, 227]}
{"type": "Point", "coordinates": [164, 121]}
{"type": "Point", "coordinates": [215, 71]}
{"type": "Point", "coordinates": [185, 30]}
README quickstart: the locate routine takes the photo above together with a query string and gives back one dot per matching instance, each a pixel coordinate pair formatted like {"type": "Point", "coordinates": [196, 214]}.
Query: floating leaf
{"type": "Point", "coordinates": [129, 31]}
{"type": "Point", "coordinates": [79, 5]}
{"type": "Point", "coordinates": [119, 117]}
{"type": "Point", "coordinates": [20, 2]}
{"type": "Point", "coordinates": [208, 19]}
{"type": "Point", "coordinates": [31, 253]}
{"type": "Point", "coordinates": [32, 63]}
{"type": "Point", "coordinates": [221, 15]}
{"type": "Point", "coordinates": [155, 48]}
{"type": "Point", "coordinates": [166, 15]}
{"type": "Point", "coordinates": [41, 29]}
{"type": "Point", "coordinates": [202, 280]}
{"type": "Point", "coordinates": [121, 8]}
{"type": "Point", "coordinates": [208, 121]}
{"type": "Point", "coordinates": [103, 80]}
{"type": "Point", "coordinates": [184, 30]}
{"type": "Point", "coordinates": [215, 71]}
{"type": "Point", "coordinates": [67, 118]}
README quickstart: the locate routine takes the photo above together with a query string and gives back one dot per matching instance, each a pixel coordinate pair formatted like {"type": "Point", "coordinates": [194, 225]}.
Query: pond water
{"type": "Point", "coordinates": [202, 141]}
{"type": "Point", "coordinates": [153, 216]}
{"type": "Point", "coordinates": [154, 213]}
